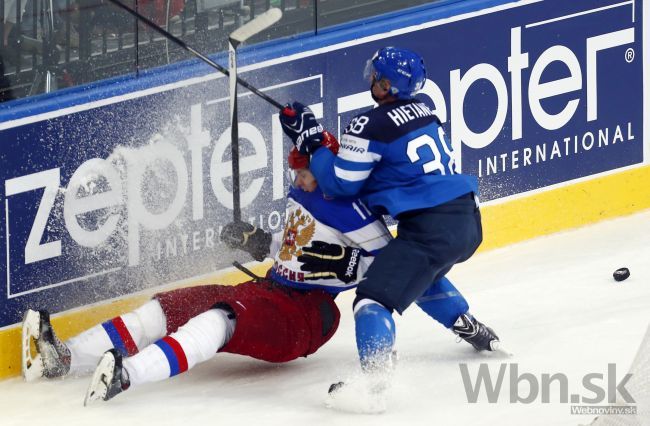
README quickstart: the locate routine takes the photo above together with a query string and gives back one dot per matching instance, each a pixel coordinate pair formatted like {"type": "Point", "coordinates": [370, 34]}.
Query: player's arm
{"type": "Point", "coordinates": [339, 175]}
{"type": "Point", "coordinates": [343, 175]}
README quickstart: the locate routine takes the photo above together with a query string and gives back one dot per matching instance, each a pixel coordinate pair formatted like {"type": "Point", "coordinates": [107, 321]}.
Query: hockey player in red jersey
{"type": "Point", "coordinates": [289, 314]}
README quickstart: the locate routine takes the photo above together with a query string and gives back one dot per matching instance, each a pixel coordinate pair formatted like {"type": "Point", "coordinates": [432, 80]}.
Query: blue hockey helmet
{"type": "Point", "coordinates": [402, 67]}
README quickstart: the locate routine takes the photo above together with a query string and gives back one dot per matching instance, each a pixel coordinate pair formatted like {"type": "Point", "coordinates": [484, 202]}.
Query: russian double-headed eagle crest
{"type": "Point", "coordinates": [298, 232]}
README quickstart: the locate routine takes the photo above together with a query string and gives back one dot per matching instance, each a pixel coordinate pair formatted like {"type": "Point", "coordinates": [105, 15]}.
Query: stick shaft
{"type": "Point", "coordinates": [234, 135]}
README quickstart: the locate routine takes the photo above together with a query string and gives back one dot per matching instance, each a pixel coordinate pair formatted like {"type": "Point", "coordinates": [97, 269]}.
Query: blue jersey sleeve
{"type": "Point", "coordinates": [344, 175]}
{"type": "Point", "coordinates": [343, 214]}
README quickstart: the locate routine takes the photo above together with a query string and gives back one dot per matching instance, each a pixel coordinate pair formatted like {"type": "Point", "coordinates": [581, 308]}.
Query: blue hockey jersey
{"type": "Point", "coordinates": [396, 158]}
{"type": "Point", "coordinates": [312, 217]}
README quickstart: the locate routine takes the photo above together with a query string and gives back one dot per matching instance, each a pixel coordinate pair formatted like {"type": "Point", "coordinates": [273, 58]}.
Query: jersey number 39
{"type": "Point", "coordinates": [435, 164]}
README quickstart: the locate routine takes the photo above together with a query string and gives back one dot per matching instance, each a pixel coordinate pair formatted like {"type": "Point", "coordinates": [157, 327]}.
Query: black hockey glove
{"type": "Point", "coordinates": [299, 123]}
{"type": "Point", "coordinates": [324, 260]}
{"type": "Point", "coordinates": [244, 236]}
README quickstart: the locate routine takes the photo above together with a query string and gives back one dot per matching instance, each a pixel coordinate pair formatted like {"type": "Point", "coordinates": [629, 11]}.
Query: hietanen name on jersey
{"type": "Point", "coordinates": [405, 113]}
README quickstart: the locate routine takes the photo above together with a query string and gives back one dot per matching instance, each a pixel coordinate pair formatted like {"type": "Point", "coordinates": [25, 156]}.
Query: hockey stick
{"type": "Point", "coordinates": [198, 54]}
{"type": "Point", "coordinates": [237, 37]}
{"type": "Point", "coordinates": [247, 271]}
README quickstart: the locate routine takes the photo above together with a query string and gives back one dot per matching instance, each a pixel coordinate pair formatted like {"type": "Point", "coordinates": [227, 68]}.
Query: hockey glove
{"type": "Point", "coordinates": [244, 236]}
{"type": "Point", "coordinates": [299, 123]}
{"type": "Point", "coordinates": [324, 260]}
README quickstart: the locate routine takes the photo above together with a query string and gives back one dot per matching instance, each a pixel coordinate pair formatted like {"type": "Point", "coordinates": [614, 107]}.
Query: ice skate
{"type": "Point", "coordinates": [52, 358]}
{"type": "Point", "coordinates": [110, 378]}
{"type": "Point", "coordinates": [476, 333]}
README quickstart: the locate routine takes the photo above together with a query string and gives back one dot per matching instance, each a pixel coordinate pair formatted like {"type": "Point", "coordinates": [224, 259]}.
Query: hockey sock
{"type": "Point", "coordinates": [126, 333]}
{"type": "Point", "coordinates": [443, 302]}
{"type": "Point", "coordinates": [375, 332]}
{"type": "Point", "coordinates": [195, 342]}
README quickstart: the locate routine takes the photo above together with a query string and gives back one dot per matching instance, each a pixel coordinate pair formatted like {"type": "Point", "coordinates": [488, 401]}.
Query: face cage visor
{"type": "Point", "coordinates": [291, 175]}
{"type": "Point", "coordinates": [369, 72]}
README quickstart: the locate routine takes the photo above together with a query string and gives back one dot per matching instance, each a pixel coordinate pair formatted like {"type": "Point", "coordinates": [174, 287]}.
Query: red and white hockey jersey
{"type": "Point", "coordinates": [312, 218]}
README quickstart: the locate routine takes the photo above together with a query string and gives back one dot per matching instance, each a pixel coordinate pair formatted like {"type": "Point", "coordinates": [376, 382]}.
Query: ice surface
{"type": "Point", "coordinates": [552, 301]}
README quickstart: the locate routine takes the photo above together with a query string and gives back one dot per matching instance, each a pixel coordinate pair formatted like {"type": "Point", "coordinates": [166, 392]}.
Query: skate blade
{"type": "Point", "coordinates": [101, 377]}
{"type": "Point", "coordinates": [32, 367]}
{"type": "Point", "coordinates": [505, 353]}
{"type": "Point", "coordinates": [499, 350]}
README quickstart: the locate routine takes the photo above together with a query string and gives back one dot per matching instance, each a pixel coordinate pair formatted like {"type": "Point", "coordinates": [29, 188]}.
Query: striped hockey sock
{"type": "Point", "coordinates": [120, 336]}
{"type": "Point", "coordinates": [175, 355]}
{"type": "Point", "coordinates": [195, 342]}
{"type": "Point", "coordinates": [126, 333]}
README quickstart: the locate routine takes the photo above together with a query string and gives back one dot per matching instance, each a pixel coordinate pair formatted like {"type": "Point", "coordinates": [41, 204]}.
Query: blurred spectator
{"type": "Point", "coordinates": [33, 17]}
{"type": "Point", "coordinates": [10, 19]}
{"type": "Point", "coordinates": [6, 93]}
{"type": "Point", "coordinates": [157, 10]}
{"type": "Point", "coordinates": [106, 16]}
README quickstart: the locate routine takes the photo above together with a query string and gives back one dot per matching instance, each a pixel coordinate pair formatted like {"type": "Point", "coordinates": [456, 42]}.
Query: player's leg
{"type": "Point", "coordinates": [274, 323]}
{"type": "Point", "coordinates": [444, 303]}
{"type": "Point", "coordinates": [161, 316]}
{"type": "Point", "coordinates": [80, 354]}
{"type": "Point", "coordinates": [261, 320]}
{"type": "Point", "coordinates": [382, 291]}
{"type": "Point", "coordinates": [427, 245]}
{"type": "Point", "coordinates": [375, 335]}
{"type": "Point", "coordinates": [127, 333]}
{"type": "Point", "coordinates": [195, 342]}
{"type": "Point", "coordinates": [196, 329]}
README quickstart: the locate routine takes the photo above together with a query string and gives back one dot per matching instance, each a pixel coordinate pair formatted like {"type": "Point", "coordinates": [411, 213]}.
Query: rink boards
{"type": "Point", "coordinates": [116, 192]}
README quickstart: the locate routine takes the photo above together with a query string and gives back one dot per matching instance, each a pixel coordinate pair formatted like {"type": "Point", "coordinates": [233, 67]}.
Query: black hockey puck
{"type": "Point", "coordinates": [621, 274]}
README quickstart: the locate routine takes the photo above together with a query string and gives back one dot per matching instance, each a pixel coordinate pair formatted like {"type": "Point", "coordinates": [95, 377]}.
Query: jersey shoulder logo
{"type": "Point", "coordinates": [353, 144]}
{"type": "Point", "coordinates": [298, 232]}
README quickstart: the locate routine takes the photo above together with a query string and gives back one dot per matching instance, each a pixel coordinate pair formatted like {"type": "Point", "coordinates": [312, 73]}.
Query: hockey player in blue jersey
{"type": "Point", "coordinates": [397, 160]}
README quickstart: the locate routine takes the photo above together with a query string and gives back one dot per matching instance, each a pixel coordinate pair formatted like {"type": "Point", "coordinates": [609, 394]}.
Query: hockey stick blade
{"type": "Point", "coordinates": [256, 25]}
